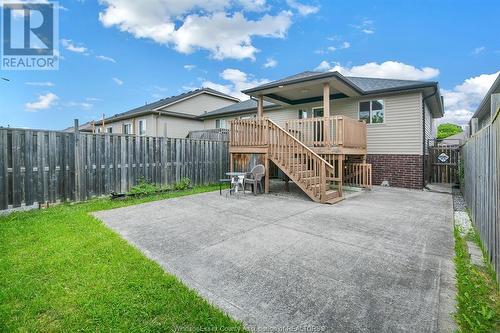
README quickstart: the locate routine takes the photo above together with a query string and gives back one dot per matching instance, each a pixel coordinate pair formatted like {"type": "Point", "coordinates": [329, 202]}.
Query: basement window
{"type": "Point", "coordinates": [372, 112]}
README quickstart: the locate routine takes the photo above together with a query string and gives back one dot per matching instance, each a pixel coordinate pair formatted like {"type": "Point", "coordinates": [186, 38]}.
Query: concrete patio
{"type": "Point", "coordinates": [380, 261]}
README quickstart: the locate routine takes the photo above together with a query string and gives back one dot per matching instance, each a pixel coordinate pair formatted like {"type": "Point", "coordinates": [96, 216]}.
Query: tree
{"type": "Point", "coordinates": [447, 129]}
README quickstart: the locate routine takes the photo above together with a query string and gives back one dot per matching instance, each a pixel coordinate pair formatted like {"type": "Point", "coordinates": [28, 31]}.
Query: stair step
{"type": "Point", "coordinates": [332, 194]}
{"type": "Point", "coordinates": [335, 200]}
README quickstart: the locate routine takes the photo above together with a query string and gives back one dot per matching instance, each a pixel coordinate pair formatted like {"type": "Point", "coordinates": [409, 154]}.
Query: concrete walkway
{"type": "Point", "coordinates": [377, 262]}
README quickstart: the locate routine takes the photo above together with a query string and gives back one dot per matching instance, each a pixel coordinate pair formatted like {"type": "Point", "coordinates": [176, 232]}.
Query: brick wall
{"type": "Point", "coordinates": [399, 170]}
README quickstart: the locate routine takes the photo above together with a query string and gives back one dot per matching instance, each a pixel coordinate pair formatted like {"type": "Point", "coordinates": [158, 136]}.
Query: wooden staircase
{"type": "Point", "coordinates": [314, 175]}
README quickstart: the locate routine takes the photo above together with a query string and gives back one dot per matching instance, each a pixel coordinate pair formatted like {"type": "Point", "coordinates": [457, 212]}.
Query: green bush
{"type": "Point", "coordinates": [446, 130]}
{"type": "Point", "coordinates": [184, 184]}
{"type": "Point", "coordinates": [144, 187]}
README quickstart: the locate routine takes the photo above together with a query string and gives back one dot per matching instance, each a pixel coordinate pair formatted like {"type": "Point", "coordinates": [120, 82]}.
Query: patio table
{"type": "Point", "coordinates": [236, 181]}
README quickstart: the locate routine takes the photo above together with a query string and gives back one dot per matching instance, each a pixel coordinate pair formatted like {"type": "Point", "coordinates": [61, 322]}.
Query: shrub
{"type": "Point", "coordinates": [184, 184]}
{"type": "Point", "coordinates": [144, 187]}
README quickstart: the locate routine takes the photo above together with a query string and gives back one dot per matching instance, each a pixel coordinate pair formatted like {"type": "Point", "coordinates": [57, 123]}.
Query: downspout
{"type": "Point", "coordinates": [423, 134]}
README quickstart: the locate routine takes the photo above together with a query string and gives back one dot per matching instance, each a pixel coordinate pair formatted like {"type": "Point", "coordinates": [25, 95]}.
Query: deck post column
{"type": "Point", "coordinates": [260, 107]}
{"type": "Point", "coordinates": [267, 176]}
{"type": "Point", "coordinates": [326, 113]}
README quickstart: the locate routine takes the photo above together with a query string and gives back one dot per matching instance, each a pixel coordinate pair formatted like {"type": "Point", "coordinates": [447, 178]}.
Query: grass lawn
{"type": "Point", "coordinates": [63, 270]}
{"type": "Point", "coordinates": [478, 308]}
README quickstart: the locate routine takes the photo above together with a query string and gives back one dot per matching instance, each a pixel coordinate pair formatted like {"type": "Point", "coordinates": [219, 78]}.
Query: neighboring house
{"type": "Point", "coordinates": [399, 114]}
{"type": "Point", "coordinates": [171, 117]}
{"type": "Point", "coordinates": [487, 109]}
{"type": "Point", "coordinates": [453, 140]}
{"type": "Point", "coordinates": [87, 127]}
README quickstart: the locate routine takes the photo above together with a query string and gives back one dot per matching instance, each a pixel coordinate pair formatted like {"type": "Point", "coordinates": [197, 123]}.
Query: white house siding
{"type": "Point", "coordinates": [280, 117]}
{"type": "Point", "coordinates": [429, 126]}
{"type": "Point", "coordinates": [199, 104]}
{"type": "Point", "coordinates": [401, 132]}
{"type": "Point", "coordinates": [175, 127]}
{"type": "Point", "coordinates": [118, 125]}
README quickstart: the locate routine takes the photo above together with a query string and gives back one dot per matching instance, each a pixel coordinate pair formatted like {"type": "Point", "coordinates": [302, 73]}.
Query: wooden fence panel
{"type": "Point", "coordinates": [481, 161]}
{"type": "Point", "coordinates": [38, 167]}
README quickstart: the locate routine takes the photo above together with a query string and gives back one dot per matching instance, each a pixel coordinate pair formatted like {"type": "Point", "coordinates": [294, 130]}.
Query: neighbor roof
{"type": "Point", "coordinates": [150, 107]}
{"type": "Point", "coordinates": [485, 106]}
{"type": "Point", "coordinates": [249, 105]}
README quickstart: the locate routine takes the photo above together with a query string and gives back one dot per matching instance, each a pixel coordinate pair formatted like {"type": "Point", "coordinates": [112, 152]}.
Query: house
{"type": "Point", "coordinates": [487, 108]}
{"type": "Point", "coordinates": [374, 127]}
{"type": "Point", "coordinates": [174, 116]}
{"type": "Point", "coordinates": [453, 140]}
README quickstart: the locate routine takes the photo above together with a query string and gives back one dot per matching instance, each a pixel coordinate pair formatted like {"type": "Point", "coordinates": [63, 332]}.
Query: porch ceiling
{"type": "Point", "coordinates": [306, 92]}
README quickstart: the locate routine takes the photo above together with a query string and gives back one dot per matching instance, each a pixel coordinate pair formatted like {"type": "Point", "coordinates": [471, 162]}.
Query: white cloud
{"type": "Point", "coordinates": [71, 46]}
{"type": "Point", "coordinates": [228, 36]}
{"type": "Point", "coordinates": [238, 81]}
{"type": "Point", "coordinates": [44, 102]}
{"type": "Point", "coordinates": [303, 10]}
{"type": "Point", "coordinates": [118, 81]}
{"type": "Point", "coordinates": [86, 106]}
{"type": "Point", "coordinates": [196, 24]}
{"type": "Point", "coordinates": [40, 84]}
{"type": "Point", "coordinates": [105, 58]}
{"type": "Point", "coordinates": [462, 101]}
{"type": "Point", "coordinates": [270, 63]}
{"type": "Point", "coordinates": [366, 26]}
{"type": "Point", "coordinates": [478, 50]}
{"type": "Point", "coordinates": [388, 69]}
{"type": "Point", "coordinates": [189, 67]}
{"type": "Point", "coordinates": [330, 49]}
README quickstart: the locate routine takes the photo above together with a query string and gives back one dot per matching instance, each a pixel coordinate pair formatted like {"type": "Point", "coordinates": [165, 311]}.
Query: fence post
{"type": "Point", "coordinates": [78, 161]}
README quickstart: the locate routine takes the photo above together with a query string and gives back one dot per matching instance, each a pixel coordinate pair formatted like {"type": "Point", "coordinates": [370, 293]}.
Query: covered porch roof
{"type": "Point", "coordinates": [308, 87]}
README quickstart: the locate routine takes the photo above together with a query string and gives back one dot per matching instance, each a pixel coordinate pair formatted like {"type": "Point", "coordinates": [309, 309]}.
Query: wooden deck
{"type": "Point", "coordinates": [311, 152]}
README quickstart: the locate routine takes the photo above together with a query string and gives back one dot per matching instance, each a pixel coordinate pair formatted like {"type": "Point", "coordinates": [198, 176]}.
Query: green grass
{"type": "Point", "coordinates": [478, 308]}
{"type": "Point", "coordinates": [62, 270]}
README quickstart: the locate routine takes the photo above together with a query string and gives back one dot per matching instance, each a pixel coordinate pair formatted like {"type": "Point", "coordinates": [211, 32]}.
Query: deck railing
{"type": "Point", "coordinates": [249, 132]}
{"type": "Point", "coordinates": [339, 131]}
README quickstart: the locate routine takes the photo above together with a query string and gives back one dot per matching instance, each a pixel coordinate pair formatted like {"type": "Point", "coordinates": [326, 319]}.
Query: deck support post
{"type": "Point", "coordinates": [266, 178]}
{"type": "Point", "coordinates": [231, 162]}
{"type": "Point", "coordinates": [326, 113]}
{"type": "Point", "coordinates": [260, 107]}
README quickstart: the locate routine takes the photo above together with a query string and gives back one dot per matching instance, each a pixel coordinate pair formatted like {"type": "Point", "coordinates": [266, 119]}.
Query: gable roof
{"type": "Point", "coordinates": [364, 85]}
{"type": "Point", "coordinates": [250, 105]}
{"type": "Point", "coordinates": [164, 102]}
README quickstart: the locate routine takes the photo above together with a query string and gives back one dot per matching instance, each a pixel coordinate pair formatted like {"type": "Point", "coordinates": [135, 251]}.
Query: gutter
{"type": "Point", "coordinates": [423, 132]}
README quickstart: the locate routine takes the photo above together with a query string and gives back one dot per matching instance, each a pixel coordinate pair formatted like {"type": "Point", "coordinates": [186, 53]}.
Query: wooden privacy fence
{"type": "Point", "coordinates": [219, 134]}
{"type": "Point", "coordinates": [48, 166]}
{"type": "Point", "coordinates": [481, 159]}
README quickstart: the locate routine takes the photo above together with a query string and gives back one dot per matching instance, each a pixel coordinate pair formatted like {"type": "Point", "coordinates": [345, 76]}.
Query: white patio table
{"type": "Point", "coordinates": [236, 181]}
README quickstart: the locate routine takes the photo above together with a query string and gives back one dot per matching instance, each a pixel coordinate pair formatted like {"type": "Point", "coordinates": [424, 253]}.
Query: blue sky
{"type": "Point", "coordinates": [119, 54]}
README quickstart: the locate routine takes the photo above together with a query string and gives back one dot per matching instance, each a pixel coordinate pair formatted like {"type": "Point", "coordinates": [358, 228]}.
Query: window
{"type": "Point", "coordinates": [372, 112]}
{"type": "Point", "coordinates": [302, 114]}
{"type": "Point", "coordinates": [220, 123]}
{"type": "Point", "coordinates": [142, 127]}
{"type": "Point", "coordinates": [317, 112]}
{"type": "Point", "coordinates": [109, 130]}
{"type": "Point", "coordinates": [127, 128]}
{"type": "Point", "coordinates": [98, 130]}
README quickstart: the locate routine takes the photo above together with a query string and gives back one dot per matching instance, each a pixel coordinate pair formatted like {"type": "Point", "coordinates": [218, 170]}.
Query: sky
{"type": "Point", "coordinates": [119, 54]}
